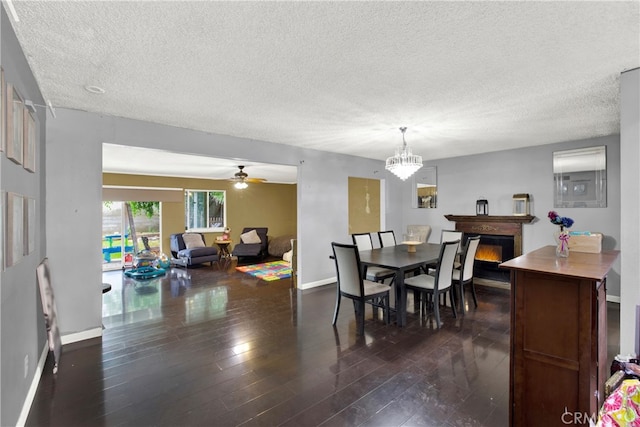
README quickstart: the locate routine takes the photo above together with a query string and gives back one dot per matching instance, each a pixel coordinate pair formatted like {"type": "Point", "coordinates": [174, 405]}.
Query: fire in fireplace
{"type": "Point", "coordinates": [492, 251]}
{"type": "Point", "coordinates": [489, 253]}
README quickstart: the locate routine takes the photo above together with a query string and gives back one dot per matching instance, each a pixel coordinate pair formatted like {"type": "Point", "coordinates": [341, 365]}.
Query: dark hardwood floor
{"type": "Point", "coordinates": [204, 347]}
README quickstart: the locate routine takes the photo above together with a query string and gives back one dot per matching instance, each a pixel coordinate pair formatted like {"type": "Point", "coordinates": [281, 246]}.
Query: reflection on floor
{"type": "Point", "coordinates": [132, 300]}
{"type": "Point", "coordinates": [206, 346]}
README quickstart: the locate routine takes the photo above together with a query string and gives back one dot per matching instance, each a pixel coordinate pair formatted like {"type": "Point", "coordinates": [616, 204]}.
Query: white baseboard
{"type": "Point", "coordinates": [81, 336]}
{"type": "Point", "coordinates": [31, 393]}
{"type": "Point", "coordinates": [318, 283]}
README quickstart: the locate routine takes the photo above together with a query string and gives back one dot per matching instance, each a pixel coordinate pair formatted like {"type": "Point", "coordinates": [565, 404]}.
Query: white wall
{"type": "Point", "coordinates": [498, 176]}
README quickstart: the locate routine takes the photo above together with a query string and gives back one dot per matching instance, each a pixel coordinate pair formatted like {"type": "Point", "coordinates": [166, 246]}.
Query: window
{"type": "Point", "coordinates": [205, 210]}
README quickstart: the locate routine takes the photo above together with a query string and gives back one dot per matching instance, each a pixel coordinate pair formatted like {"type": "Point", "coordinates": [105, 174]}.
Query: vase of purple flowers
{"type": "Point", "coordinates": [562, 235]}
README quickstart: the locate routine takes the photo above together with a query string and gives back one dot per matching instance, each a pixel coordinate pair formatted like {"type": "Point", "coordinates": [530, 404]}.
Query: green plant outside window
{"type": "Point", "coordinates": [205, 210]}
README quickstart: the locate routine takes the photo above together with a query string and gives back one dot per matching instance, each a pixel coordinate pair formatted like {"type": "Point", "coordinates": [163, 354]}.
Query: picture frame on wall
{"type": "Point", "coordinates": [15, 229]}
{"type": "Point", "coordinates": [3, 107]}
{"type": "Point", "coordinates": [30, 225]}
{"type": "Point", "coordinates": [29, 141]}
{"type": "Point", "coordinates": [15, 118]}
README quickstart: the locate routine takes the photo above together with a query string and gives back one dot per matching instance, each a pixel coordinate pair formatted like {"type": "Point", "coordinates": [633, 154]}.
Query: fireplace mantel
{"type": "Point", "coordinates": [517, 219]}
{"type": "Point", "coordinates": [501, 225]}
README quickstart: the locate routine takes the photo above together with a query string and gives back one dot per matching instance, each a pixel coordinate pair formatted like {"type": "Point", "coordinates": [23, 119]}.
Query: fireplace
{"type": "Point", "coordinates": [492, 251]}
{"type": "Point", "coordinates": [500, 241]}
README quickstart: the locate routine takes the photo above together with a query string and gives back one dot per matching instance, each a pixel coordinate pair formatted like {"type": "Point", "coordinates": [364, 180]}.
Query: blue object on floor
{"type": "Point", "coordinates": [142, 273]}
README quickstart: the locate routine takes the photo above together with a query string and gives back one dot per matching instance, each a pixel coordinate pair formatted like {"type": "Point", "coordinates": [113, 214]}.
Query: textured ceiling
{"type": "Point", "coordinates": [464, 77]}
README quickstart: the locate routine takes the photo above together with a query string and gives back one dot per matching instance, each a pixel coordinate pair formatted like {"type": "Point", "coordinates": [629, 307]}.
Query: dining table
{"type": "Point", "coordinates": [400, 259]}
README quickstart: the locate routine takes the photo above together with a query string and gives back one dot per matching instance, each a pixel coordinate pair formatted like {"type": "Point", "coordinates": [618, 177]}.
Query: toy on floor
{"type": "Point", "coordinates": [142, 273]}
{"type": "Point", "coordinates": [163, 261]}
{"type": "Point", "coordinates": [144, 258]}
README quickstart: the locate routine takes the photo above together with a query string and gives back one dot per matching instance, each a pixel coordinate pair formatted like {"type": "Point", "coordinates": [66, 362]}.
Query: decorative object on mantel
{"type": "Point", "coordinates": [404, 163]}
{"type": "Point", "coordinates": [521, 204]}
{"type": "Point", "coordinates": [561, 236]}
{"type": "Point", "coordinates": [482, 206]}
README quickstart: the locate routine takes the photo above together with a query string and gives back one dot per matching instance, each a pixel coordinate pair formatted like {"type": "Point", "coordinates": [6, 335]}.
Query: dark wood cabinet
{"type": "Point", "coordinates": [558, 336]}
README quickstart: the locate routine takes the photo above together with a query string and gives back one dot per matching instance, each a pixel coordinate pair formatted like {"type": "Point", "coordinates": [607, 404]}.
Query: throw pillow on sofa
{"type": "Point", "coordinates": [193, 240]}
{"type": "Point", "coordinates": [280, 244]}
{"type": "Point", "coordinates": [250, 237]}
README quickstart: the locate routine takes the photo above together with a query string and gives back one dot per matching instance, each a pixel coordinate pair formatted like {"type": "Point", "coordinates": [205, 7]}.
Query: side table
{"type": "Point", "coordinates": [223, 246]}
{"type": "Point", "coordinates": [224, 255]}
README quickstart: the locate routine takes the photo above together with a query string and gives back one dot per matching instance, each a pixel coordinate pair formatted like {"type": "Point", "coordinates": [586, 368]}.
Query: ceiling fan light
{"type": "Point", "coordinates": [241, 185]}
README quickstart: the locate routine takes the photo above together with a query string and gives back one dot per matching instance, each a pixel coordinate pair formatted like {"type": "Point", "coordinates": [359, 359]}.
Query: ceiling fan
{"type": "Point", "coordinates": [241, 179]}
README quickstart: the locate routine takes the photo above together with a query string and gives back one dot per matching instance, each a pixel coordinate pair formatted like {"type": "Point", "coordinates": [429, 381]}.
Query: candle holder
{"type": "Point", "coordinates": [482, 206]}
{"type": "Point", "coordinates": [521, 204]}
{"type": "Point", "coordinates": [411, 240]}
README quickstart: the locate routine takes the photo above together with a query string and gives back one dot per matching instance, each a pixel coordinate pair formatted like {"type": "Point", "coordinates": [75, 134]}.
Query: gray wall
{"type": "Point", "coordinates": [322, 191]}
{"type": "Point", "coordinates": [630, 211]}
{"type": "Point", "coordinates": [498, 176]}
{"type": "Point", "coordinates": [74, 201]}
{"type": "Point", "coordinates": [22, 332]}
{"type": "Point", "coordinates": [74, 224]}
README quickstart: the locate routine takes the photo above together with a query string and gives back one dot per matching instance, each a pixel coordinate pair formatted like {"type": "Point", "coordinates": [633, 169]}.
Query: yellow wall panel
{"type": "Point", "coordinates": [364, 205]}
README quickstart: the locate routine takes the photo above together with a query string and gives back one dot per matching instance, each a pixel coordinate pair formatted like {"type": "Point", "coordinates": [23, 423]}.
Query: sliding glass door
{"type": "Point", "coordinates": [118, 247]}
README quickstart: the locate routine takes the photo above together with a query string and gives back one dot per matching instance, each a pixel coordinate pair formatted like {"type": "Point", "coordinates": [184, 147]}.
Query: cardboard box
{"type": "Point", "coordinates": [591, 243]}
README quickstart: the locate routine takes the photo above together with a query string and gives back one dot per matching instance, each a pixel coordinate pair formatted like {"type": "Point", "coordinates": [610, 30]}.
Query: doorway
{"type": "Point", "coordinates": [118, 245]}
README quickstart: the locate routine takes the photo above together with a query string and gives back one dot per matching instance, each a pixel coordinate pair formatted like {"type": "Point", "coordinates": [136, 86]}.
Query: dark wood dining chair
{"type": "Point", "coordinates": [429, 288]}
{"type": "Point", "coordinates": [463, 276]}
{"type": "Point", "coordinates": [376, 274]}
{"type": "Point", "coordinates": [352, 285]}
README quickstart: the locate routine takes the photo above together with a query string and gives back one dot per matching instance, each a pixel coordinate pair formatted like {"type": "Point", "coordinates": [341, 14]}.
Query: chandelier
{"type": "Point", "coordinates": [404, 163]}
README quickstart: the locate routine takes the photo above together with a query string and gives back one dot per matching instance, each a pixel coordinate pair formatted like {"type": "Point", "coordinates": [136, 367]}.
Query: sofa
{"type": "Point", "coordinates": [187, 250]}
{"type": "Point", "coordinates": [279, 245]}
{"type": "Point", "coordinates": [252, 243]}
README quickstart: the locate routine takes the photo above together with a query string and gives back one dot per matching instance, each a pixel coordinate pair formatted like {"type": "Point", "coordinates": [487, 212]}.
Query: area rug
{"type": "Point", "coordinates": [268, 271]}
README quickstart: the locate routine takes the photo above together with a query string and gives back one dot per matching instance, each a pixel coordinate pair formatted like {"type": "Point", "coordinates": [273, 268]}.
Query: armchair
{"type": "Point", "coordinates": [252, 244]}
{"type": "Point", "coordinates": [192, 251]}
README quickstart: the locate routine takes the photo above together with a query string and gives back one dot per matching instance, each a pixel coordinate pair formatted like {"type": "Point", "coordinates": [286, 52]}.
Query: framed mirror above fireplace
{"type": "Point", "coordinates": [580, 178]}
{"type": "Point", "coordinates": [425, 188]}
